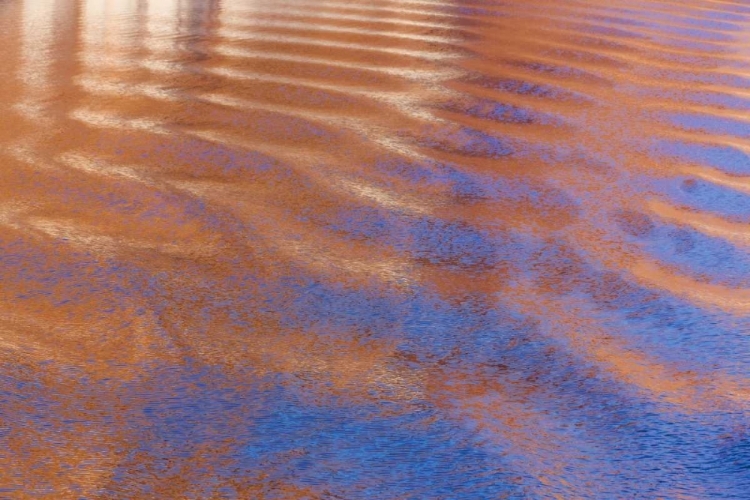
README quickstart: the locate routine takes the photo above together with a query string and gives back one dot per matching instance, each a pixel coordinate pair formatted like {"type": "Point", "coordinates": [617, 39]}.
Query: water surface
{"type": "Point", "coordinates": [415, 249]}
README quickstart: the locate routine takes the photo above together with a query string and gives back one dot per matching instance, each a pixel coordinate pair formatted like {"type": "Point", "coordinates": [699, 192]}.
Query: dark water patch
{"type": "Point", "coordinates": [725, 158]}
{"type": "Point", "coordinates": [710, 124]}
{"type": "Point", "coordinates": [707, 197]}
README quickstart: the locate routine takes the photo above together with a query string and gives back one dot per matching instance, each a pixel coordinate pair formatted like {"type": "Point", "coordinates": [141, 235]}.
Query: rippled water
{"type": "Point", "coordinates": [414, 249]}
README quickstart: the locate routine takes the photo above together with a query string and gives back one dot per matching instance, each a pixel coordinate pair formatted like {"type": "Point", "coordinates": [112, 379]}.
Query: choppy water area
{"type": "Point", "coordinates": [414, 249]}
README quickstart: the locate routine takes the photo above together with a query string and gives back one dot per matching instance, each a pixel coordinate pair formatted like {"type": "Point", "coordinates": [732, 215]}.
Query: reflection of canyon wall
{"type": "Point", "coordinates": [514, 233]}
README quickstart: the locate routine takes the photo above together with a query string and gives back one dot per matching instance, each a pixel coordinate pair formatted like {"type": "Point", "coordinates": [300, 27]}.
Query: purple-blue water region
{"type": "Point", "coordinates": [374, 250]}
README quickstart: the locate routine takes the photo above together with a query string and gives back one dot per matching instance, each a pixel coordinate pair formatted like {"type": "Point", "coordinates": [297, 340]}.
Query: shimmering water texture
{"type": "Point", "coordinates": [388, 249]}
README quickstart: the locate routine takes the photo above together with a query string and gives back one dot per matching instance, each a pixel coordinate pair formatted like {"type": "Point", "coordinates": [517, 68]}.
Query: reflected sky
{"type": "Point", "coordinates": [330, 250]}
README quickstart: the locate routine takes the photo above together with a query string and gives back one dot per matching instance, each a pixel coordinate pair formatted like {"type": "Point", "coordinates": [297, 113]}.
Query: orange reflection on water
{"type": "Point", "coordinates": [422, 249]}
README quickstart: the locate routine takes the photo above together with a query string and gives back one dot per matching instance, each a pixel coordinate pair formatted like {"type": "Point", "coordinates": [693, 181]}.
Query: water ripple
{"type": "Point", "coordinates": [416, 249]}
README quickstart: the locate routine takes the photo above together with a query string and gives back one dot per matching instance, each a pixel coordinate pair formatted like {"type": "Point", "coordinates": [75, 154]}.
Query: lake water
{"type": "Point", "coordinates": [414, 249]}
